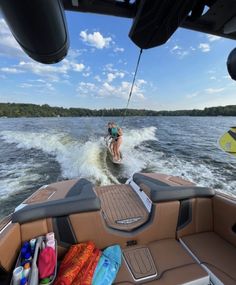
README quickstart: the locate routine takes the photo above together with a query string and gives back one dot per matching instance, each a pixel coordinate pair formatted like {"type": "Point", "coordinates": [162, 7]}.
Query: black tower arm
{"type": "Point", "coordinates": [40, 26]}
{"type": "Point", "coordinates": [122, 8]}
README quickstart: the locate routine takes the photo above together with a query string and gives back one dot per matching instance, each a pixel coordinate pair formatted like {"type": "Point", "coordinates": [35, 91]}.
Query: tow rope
{"type": "Point", "coordinates": [132, 85]}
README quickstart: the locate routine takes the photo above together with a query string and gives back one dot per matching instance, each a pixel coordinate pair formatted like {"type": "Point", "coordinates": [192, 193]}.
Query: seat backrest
{"type": "Point", "coordinates": [10, 241]}
{"type": "Point", "coordinates": [225, 217]}
{"type": "Point", "coordinates": [80, 198]}
{"type": "Point", "coordinates": [195, 216]}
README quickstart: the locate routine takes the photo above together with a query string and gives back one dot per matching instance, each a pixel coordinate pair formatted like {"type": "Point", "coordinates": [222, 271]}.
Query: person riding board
{"type": "Point", "coordinates": [116, 134]}
{"type": "Point", "coordinates": [109, 136]}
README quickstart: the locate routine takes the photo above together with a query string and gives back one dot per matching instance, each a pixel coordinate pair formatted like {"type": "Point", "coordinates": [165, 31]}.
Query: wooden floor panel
{"type": "Point", "coordinates": [122, 207]}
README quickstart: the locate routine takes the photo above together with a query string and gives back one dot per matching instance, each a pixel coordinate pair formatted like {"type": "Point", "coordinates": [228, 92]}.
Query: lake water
{"type": "Point", "coordinates": [39, 151]}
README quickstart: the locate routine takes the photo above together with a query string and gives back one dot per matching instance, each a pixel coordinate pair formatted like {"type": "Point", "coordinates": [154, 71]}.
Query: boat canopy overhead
{"type": "Point", "coordinates": [155, 21]}
{"type": "Point", "coordinates": [40, 27]}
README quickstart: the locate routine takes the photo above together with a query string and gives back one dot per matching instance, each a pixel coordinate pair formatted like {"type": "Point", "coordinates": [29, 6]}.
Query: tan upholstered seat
{"type": "Point", "coordinates": [218, 255]}
{"type": "Point", "coordinates": [173, 263]}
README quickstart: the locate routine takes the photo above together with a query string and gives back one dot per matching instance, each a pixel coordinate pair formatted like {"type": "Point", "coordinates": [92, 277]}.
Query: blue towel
{"type": "Point", "coordinates": [108, 266]}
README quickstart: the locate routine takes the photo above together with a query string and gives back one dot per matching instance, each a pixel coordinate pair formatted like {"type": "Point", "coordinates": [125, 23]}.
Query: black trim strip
{"type": "Point", "coordinates": [185, 214]}
{"type": "Point", "coordinates": [5, 277]}
{"type": "Point", "coordinates": [232, 134]}
{"type": "Point", "coordinates": [234, 228]}
{"type": "Point", "coordinates": [64, 232]}
{"type": "Point", "coordinates": [82, 187]}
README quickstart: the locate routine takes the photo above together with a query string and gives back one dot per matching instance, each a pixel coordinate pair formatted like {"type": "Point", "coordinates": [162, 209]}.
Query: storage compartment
{"type": "Point", "coordinates": [140, 263]}
{"type": "Point", "coordinates": [33, 275]}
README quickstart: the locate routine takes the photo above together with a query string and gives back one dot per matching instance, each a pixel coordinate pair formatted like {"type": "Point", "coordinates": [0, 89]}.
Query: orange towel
{"type": "Point", "coordinates": [85, 276]}
{"type": "Point", "coordinates": [78, 265]}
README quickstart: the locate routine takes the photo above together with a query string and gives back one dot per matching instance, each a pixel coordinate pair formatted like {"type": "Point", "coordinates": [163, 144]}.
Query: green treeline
{"type": "Point", "coordinates": [32, 110]}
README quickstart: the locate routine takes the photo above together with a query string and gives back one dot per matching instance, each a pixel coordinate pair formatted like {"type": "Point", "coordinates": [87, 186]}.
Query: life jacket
{"type": "Point", "coordinates": [114, 132]}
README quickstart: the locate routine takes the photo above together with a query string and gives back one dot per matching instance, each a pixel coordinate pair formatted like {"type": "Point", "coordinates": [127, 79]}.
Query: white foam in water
{"type": "Point", "coordinates": [199, 173]}
{"type": "Point", "coordinates": [87, 159]}
{"type": "Point", "coordinates": [138, 157]}
{"type": "Point", "coordinates": [136, 136]}
{"type": "Point", "coordinates": [77, 159]}
{"type": "Point", "coordinates": [135, 159]}
{"type": "Point", "coordinates": [17, 176]}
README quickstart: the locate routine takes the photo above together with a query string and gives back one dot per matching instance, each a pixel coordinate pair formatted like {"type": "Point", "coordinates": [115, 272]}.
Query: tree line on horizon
{"type": "Point", "coordinates": [32, 110]}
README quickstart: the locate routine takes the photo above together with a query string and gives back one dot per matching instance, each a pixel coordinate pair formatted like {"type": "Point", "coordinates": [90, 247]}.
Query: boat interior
{"type": "Point", "coordinates": [170, 230]}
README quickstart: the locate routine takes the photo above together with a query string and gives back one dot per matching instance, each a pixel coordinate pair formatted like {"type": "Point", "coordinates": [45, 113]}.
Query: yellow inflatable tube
{"type": "Point", "coordinates": [228, 141]}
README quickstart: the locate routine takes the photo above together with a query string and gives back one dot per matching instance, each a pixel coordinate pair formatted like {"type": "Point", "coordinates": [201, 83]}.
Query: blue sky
{"type": "Point", "coordinates": [188, 72]}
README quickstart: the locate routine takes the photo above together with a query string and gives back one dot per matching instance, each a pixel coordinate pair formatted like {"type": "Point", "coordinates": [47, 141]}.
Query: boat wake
{"type": "Point", "coordinates": [78, 157]}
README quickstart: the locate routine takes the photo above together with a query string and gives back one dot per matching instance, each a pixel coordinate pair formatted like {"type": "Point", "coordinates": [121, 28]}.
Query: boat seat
{"type": "Point", "coordinates": [217, 255]}
{"type": "Point", "coordinates": [139, 178]}
{"type": "Point", "coordinates": [159, 191]}
{"type": "Point", "coordinates": [82, 187]}
{"type": "Point", "coordinates": [80, 198]}
{"type": "Point", "coordinates": [174, 265]}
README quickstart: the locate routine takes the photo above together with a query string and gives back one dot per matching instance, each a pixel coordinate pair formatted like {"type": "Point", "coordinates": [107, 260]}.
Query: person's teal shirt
{"type": "Point", "coordinates": [114, 132]}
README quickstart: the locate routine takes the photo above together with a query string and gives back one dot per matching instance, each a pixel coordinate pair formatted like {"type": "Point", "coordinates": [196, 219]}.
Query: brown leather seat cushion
{"type": "Point", "coordinates": [216, 253]}
{"type": "Point", "coordinates": [172, 262]}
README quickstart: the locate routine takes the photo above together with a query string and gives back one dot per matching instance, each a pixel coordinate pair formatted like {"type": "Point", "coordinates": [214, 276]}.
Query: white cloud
{"type": "Point", "coordinates": [204, 92]}
{"type": "Point", "coordinates": [74, 53]}
{"type": "Point", "coordinates": [213, 38]}
{"type": "Point", "coordinates": [51, 71]}
{"type": "Point", "coordinates": [192, 95]}
{"type": "Point", "coordinates": [112, 76]}
{"type": "Point", "coordinates": [176, 47]}
{"type": "Point", "coordinates": [110, 67]}
{"type": "Point", "coordinates": [86, 74]}
{"type": "Point", "coordinates": [26, 85]}
{"type": "Point", "coordinates": [118, 49]}
{"type": "Point", "coordinates": [41, 85]}
{"type": "Point", "coordinates": [50, 86]}
{"type": "Point", "coordinates": [138, 92]}
{"type": "Point", "coordinates": [78, 67]}
{"type": "Point", "coordinates": [213, 78]}
{"type": "Point", "coordinates": [204, 47]}
{"type": "Point", "coordinates": [211, 71]}
{"type": "Point", "coordinates": [141, 82]}
{"type": "Point", "coordinates": [96, 39]}
{"type": "Point", "coordinates": [40, 80]}
{"type": "Point", "coordinates": [112, 72]}
{"type": "Point", "coordinates": [11, 70]}
{"type": "Point", "coordinates": [179, 51]}
{"type": "Point", "coordinates": [107, 90]}
{"type": "Point", "coordinates": [97, 77]}
{"type": "Point", "coordinates": [8, 45]}
{"type": "Point", "coordinates": [214, 90]}
{"type": "Point", "coordinates": [86, 88]}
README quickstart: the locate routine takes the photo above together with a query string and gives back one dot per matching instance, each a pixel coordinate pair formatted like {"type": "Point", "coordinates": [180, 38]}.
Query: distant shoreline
{"type": "Point", "coordinates": [15, 110]}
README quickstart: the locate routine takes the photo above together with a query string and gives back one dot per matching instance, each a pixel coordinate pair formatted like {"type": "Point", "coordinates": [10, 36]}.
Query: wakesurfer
{"type": "Point", "coordinates": [116, 134]}
{"type": "Point", "coordinates": [109, 137]}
